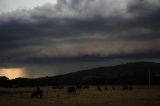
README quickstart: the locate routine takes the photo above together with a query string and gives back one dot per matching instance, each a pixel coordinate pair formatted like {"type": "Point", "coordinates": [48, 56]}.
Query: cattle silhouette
{"type": "Point", "coordinates": [99, 89]}
{"type": "Point", "coordinates": [114, 88]}
{"type": "Point", "coordinates": [37, 93]}
{"type": "Point", "coordinates": [71, 90]}
{"type": "Point", "coordinates": [125, 87]}
{"type": "Point", "coordinates": [130, 88]}
{"type": "Point", "coordinates": [106, 88]}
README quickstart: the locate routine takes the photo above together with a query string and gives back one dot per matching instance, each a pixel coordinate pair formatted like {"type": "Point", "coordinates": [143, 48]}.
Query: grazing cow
{"type": "Point", "coordinates": [125, 87]}
{"type": "Point", "coordinates": [114, 88]}
{"type": "Point", "coordinates": [130, 88]}
{"type": "Point", "coordinates": [106, 88]}
{"type": "Point", "coordinates": [71, 90]}
{"type": "Point", "coordinates": [37, 93]}
{"type": "Point", "coordinates": [99, 89]}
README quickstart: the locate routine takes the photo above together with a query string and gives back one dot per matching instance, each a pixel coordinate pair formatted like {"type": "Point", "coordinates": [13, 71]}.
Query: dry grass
{"type": "Point", "coordinates": [139, 96]}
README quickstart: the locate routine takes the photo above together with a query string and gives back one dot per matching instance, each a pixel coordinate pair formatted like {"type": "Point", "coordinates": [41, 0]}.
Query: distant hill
{"type": "Point", "coordinates": [130, 73]}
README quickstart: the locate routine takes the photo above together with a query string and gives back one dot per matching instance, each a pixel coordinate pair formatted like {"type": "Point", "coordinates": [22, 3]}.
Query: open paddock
{"type": "Point", "coordinates": [139, 96]}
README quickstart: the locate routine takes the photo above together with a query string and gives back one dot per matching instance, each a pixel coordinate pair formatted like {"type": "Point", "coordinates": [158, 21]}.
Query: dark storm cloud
{"type": "Point", "coordinates": [74, 28]}
{"type": "Point", "coordinates": [146, 11]}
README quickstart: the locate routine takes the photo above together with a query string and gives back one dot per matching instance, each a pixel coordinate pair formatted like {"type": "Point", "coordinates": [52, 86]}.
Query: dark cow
{"type": "Point", "coordinates": [37, 93]}
{"type": "Point", "coordinates": [106, 88]}
{"type": "Point", "coordinates": [125, 87]}
{"type": "Point", "coordinates": [130, 88]}
{"type": "Point", "coordinates": [71, 90]}
{"type": "Point", "coordinates": [114, 88]}
{"type": "Point", "coordinates": [99, 89]}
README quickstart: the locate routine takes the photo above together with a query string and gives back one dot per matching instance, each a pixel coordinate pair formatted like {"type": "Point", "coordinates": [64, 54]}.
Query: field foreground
{"type": "Point", "coordinates": [139, 96]}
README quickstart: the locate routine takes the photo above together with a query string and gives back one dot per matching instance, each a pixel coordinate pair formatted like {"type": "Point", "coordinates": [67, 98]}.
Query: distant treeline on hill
{"type": "Point", "coordinates": [131, 73]}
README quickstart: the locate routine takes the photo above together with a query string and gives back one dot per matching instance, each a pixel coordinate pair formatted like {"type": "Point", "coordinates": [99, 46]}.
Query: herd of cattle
{"type": "Point", "coordinates": [72, 90]}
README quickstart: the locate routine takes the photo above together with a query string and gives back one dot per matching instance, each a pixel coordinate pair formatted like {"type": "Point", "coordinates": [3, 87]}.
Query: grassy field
{"type": "Point", "coordinates": [139, 96]}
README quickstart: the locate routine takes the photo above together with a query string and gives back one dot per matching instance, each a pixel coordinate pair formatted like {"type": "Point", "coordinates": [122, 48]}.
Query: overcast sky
{"type": "Point", "coordinates": [49, 37]}
{"type": "Point", "coordinates": [12, 5]}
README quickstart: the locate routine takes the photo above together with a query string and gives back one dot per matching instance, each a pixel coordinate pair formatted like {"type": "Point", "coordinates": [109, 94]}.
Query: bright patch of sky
{"type": "Point", "coordinates": [11, 5]}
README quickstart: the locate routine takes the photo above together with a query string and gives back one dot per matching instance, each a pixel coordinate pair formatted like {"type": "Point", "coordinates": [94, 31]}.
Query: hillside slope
{"type": "Point", "coordinates": [130, 73]}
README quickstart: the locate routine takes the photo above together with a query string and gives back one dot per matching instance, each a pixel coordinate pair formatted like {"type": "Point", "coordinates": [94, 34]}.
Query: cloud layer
{"type": "Point", "coordinates": [77, 28]}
